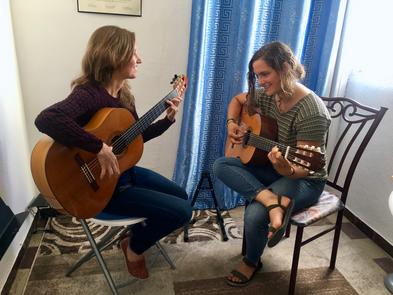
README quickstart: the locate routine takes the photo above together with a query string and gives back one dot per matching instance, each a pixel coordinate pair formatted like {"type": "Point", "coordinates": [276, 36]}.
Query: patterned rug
{"type": "Point", "coordinates": [309, 281]}
{"type": "Point", "coordinates": [66, 235]}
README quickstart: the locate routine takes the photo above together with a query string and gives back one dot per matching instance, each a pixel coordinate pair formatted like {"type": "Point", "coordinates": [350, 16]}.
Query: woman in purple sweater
{"type": "Point", "coordinates": [110, 59]}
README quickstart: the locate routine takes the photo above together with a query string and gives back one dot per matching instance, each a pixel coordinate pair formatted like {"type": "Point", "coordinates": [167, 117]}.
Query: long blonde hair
{"type": "Point", "coordinates": [108, 49]}
{"type": "Point", "coordinates": [280, 58]}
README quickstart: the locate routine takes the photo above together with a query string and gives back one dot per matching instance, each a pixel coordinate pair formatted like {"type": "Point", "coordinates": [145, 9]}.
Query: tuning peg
{"type": "Point", "coordinates": [318, 149]}
{"type": "Point", "coordinates": [174, 78]}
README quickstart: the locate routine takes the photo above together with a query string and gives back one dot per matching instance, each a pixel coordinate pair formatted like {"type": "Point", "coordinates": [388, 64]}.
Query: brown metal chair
{"type": "Point", "coordinates": [352, 127]}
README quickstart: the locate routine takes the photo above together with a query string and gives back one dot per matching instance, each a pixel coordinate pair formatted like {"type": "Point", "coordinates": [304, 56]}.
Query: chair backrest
{"type": "Point", "coordinates": [351, 129]}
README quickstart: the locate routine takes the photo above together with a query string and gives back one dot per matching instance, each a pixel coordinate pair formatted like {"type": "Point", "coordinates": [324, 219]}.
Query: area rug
{"type": "Point", "coordinates": [204, 227]}
{"type": "Point", "coordinates": [309, 281]}
{"type": "Point", "coordinates": [65, 234]}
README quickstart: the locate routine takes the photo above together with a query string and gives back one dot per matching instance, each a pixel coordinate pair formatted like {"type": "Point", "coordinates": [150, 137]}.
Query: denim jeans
{"type": "Point", "coordinates": [248, 181]}
{"type": "Point", "coordinates": [148, 194]}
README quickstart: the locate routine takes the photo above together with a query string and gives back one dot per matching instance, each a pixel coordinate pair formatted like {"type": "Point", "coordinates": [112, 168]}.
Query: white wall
{"type": "Point", "coordinates": [372, 183]}
{"type": "Point", "coordinates": [16, 187]}
{"type": "Point", "coordinates": [51, 37]}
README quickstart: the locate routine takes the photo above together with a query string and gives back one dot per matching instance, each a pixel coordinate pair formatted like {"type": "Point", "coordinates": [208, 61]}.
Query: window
{"type": "Point", "coordinates": [367, 47]}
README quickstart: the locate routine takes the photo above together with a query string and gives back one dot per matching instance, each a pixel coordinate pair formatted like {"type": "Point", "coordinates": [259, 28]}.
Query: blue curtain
{"type": "Point", "coordinates": [224, 35]}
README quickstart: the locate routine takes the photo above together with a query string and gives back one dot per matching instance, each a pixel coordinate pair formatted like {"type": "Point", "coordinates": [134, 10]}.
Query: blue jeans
{"type": "Point", "coordinates": [145, 193]}
{"type": "Point", "coordinates": [248, 181]}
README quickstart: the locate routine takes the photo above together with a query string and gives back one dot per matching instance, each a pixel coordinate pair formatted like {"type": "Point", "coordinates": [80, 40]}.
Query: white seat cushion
{"type": "Point", "coordinates": [109, 219]}
{"type": "Point", "coordinates": [327, 204]}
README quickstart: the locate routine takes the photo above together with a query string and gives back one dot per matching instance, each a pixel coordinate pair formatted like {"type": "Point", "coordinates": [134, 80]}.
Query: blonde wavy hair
{"type": "Point", "coordinates": [280, 58]}
{"type": "Point", "coordinates": [109, 48]}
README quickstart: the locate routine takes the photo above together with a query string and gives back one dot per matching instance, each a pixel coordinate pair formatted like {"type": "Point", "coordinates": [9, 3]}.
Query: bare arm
{"type": "Point", "coordinates": [284, 167]}
{"type": "Point", "coordinates": [233, 113]}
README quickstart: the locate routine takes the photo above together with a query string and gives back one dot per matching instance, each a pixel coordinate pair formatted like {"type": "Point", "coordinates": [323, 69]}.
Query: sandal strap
{"type": "Point", "coordinates": [270, 207]}
{"type": "Point", "coordinates": [240, 276]}
{"type": "Point", "coordinates": [278, 204]}
{"type": "Point", "coordinates": [272, 229]}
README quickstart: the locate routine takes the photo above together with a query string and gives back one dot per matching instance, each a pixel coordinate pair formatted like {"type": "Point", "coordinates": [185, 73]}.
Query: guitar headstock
{"type": "Point", "coordinates": [309, 158]}
{"type": "Point", "coordinates": [180, 83]}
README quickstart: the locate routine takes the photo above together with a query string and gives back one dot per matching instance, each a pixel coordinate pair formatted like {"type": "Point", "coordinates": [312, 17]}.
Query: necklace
{"type": "Point", "coordinates": [278, 100]}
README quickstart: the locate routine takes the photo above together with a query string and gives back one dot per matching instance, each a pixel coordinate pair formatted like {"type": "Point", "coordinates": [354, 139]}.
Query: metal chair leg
{"type": "Point", "coordinates": [165, 254]}
{"type": "Point", "coordinates": [244, 243]}
{"type": "Point", "coordinates": [295, 260]}
{"type": "Point", "coordinates": [220, 220]}
{"type": "Point", "coordinates": [99, 257]}
{"type": "Point", "coordinates": [336, 239]}
{"type": "Point", "coordinates": [102, 245]}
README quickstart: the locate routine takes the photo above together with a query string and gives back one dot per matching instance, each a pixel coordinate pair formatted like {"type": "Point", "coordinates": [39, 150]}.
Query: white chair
{"type": "Point", "coordinates": [119, 225]}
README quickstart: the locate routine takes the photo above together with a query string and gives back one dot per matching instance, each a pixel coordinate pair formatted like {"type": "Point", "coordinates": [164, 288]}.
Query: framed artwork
{"type": "Point", "coordinates": [120, 7]}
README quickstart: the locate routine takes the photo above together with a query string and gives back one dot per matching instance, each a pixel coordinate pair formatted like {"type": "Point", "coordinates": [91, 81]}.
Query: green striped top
{"type": "Point", "coordinates": [308, 120]}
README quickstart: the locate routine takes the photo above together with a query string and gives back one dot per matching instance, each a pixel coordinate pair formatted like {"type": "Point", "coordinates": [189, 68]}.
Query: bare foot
{"type": "Point", "coordinates": [276, 215]}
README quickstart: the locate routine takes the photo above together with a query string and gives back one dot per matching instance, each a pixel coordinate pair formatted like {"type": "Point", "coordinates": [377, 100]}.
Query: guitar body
{"type": "Point", "coordinates": [57, 171]}
{"type": "Point", "coordinates": [261, 125]}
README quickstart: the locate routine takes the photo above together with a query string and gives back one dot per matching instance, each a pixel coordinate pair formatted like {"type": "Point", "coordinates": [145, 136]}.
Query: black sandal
{"type": "Point", "coordinates": [278, 233]}
{"type": "Point", "coordinates": [244, 280]}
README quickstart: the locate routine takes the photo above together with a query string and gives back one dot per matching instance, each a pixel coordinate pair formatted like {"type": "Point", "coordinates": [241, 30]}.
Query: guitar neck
{"type": "Point", "coordinates": [264, 144]}
{"type": "Point", "coordinates": [136, 129]}
{"type": "Point", "coordinates": [308, 159]}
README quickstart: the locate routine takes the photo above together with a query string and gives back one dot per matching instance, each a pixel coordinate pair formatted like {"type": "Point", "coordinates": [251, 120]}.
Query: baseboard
{"type": "Point", "coordinates": [369, 232]}
{"type": "Point", "coordinates": [9, 226]}
{"type": "Point", "coordinates": [12, 256]}
{"type": "Point", "coordinates": [37, 210]}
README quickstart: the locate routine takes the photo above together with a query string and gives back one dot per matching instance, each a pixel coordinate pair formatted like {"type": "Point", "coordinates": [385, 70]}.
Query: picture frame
{"type": "Point", "coordinates": [119, 7]}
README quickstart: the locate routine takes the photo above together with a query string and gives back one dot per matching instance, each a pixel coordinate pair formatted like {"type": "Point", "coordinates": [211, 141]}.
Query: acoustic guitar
{"type": "Point", "coordinates": [69, 178]}
{"type": "Point", "coordinates": [260, 138]}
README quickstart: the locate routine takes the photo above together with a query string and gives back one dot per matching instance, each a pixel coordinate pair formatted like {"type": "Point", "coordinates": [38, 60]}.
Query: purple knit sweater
{"type": "Point", "coordinates": [64, 120]}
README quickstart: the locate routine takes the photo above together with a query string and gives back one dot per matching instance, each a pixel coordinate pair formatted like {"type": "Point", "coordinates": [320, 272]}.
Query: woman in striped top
{"type": "Point", "coordinates": [277, 189]}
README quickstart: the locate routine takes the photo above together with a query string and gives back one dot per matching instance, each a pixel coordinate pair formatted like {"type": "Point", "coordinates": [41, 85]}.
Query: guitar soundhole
{"type": "Point", "coordinates": [118, 145]}
{"type": "Point", "coordinates": [246, 138]}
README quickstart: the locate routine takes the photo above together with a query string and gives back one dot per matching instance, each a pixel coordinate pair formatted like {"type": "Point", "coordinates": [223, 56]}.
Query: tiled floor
{"type": "Point", "coordinates": [360, 261]}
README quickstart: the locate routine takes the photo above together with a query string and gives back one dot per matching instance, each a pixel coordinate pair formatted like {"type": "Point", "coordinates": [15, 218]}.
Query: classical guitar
{"type": "Point", "coordinates": [261, 137]}
{"type": "Point", "coordinates": [69, 178]}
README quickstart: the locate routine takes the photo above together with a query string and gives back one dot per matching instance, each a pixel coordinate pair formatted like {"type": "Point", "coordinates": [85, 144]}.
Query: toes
{"type": "Point", "coordinates": [233, 278]}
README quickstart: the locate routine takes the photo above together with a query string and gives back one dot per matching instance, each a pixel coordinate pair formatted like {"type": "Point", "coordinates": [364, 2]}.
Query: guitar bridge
{"type": "Point", "coordinates": [87, 172]}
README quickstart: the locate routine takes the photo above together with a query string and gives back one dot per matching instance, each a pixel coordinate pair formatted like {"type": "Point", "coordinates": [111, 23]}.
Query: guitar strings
{"type": "Point", "coordinates": [145, 121]}
{"type": "Point", "coordinates": [267, 144]}
{"type": "Point", "coordinates": [133, 131]}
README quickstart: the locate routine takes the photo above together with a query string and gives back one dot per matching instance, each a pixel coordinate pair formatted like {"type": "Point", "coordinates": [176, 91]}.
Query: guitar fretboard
{"type": "Point", "coordinates": [264, 144]}
{"type": "Point", "coordinates": [308, 159]}
{"type": "Point", "coordinates": [131, 133]}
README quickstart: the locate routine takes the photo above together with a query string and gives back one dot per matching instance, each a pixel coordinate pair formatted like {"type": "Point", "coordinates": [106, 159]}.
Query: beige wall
{"type": "Point", "coordinates": [372, 182]}
{"type": "Point", "coordinates": [50, 40]}
{"type": "Point", "coordinates": [16, 187]}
